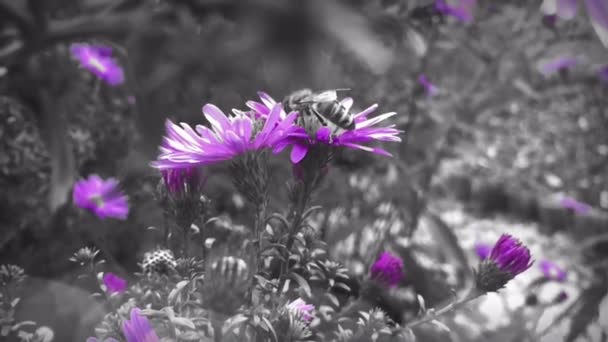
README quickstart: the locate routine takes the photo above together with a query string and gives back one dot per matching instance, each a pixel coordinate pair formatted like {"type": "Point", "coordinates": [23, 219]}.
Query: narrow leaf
{"type": "Point", "coordinates": [302, 282]}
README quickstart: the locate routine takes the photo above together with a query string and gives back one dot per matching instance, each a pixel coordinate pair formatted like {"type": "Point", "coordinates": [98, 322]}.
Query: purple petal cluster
{"type": "Point", "coordinates": [228, 137]}
{"type": "Point", "coordinates": [101, 197]}
{"type": "Point", "coordinates": [430, 88]}
{"type": "Point", "coordinates": [558, 64]}
{"type": "Point", "coordinates": [459, 9]}
{"type": "Point", "coordinates": [304, 310]}
{"type": "Point", "coordinates": [388, 269]}
{"type": "Point", "coordinates": [114, 283]}
{"type": "Point", "coordinates": [138, 329]}
{"type": "Point", "coordinates": [510, 255]}
{"type": "Point", "coordinates": [99, 61]}
{"type": "Point", "coordinates": [552, 271]}
{"type": "Point", "coordinates": [363, 132]}
{"type": "Point", "coordinates": [183, 180]}
{"type": "Point", "coordinates": [574, 205]}
{"type": "Point", "coordinates": [482, 250]}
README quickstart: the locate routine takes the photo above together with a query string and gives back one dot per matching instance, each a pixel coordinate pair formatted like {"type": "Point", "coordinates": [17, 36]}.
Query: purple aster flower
{"type": "Point", "coordinates": [459, 9]}
{"type": "Point", "coordinates": [300, 307]}
{"type": "Point", "coordinates": [227, 138]}
{"type": "Point", "coordinates": [483, 250]}
{"type": "Point", "coordinates": [183, 181]}
{"type": "Point", "coordinates": [103, 198]}
{"type": "Point", "coordinates": [387, 269]}
{"type": "Point", "coordinates": [99, 61]}
{"type": "Point", "coordinates": [603, 74]}
{"type": "Point", "coordinates": [431, 89]}
{"type": "Point", "coordinates": [508, 258]}
{"type": "Point", "coordinates": [574, 205]}
{"type": "Point", "coordinates": [363, 132]}
{"type": "Point", "coordinates": [552, 271]}
{"type": "Point", "coordinates": [94, 339]}
{"type": "Point", "coordinates": [558, 64]}
{"type": "Point", "coordinates": [114, 283]}
{"type": "Point", "coordinates": [138, 329]}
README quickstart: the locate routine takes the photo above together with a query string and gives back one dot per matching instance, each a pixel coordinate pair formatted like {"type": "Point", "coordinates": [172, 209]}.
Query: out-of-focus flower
{"type": "Point", "coordinates": [98, 60]}
{"type": "Point", "coordinates": [574, 205]}
{"type": "Point", "coordinates": [114, 283]}
{"type": "Point", "coordinates": [387, 269]}
{"type": "Point", "coordinates": [567, 9]}
{"type": "Point", "coordinates": [508, 258]}
{"type": "Point", "coordinates": [11, 274]}
{"type": "Point", "coordinates": [85, 256]}
{"type": "Point", "coordinates": [603, 73]}
{"type": "Point", "coordinates": [483, 250]}
{"type": "Point", "coordinates": [557, 64]}
{"type": "Point", "coordinates": [102, 197]}
{"type": "Point", "coordinates": [363, 132]}
{"type": "Point", "coordinates": [459, 9]}
{"type": "Point", "coordinates": [183, 181]}
{"type": "Point", "coordinates": [552, 271]}
{"type": "Point", "coordinates": [300, 307]}
{"type": "Point", "coordinates": [430, 88]}
{"type": "Point", "coordinates": [228, 137]}
{"type": "Point", "coordinates": [138, 329]}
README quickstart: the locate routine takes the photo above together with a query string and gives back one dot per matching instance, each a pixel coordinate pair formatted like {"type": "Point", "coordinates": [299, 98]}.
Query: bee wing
{"type": "Point", "coordinates": [326, 96]}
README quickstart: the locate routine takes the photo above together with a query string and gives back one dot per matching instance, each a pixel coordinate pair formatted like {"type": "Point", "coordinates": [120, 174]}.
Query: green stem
{"type": "Point", "coordinates": [432, 315]}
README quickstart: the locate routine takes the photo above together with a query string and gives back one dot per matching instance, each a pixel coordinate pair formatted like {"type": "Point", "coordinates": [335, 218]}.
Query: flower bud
{"type": "Point", "coordinates": [508, 258]}
{"type": "Point", "coordinates": [388, 269]}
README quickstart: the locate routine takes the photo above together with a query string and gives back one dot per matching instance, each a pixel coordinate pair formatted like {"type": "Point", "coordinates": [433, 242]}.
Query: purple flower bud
{"type": "Point", "coordinates": [483, 250]}
{"type": "Point", "coordinates": [559, 64]}
{"type": "Point", "coordinates": [301, 308]}
{"type": "Point", "coordinates": [114, 283]}
{"type": "Point", "coordinates": [508, 258]}
{"type": "Point", "coordinates": [552, 271]}
{"type": "Point", "coordinates": [388, 269]}
{"type": "Point", "coordinates": [430, 88]}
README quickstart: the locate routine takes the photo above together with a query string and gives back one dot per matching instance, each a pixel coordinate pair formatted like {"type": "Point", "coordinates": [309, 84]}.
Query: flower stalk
{"type": "Point", "coordinates": [432, 314]}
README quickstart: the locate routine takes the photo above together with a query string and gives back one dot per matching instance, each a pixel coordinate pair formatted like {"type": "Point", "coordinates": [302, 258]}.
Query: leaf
{"type": "Point", "coordinates": [588, 308]}
{"type": "Point", "coordinates": [332, 298]}
{"type": "Point", "coordinates": [421, 303]}
{"type": "Point", "coordinates": [270, 328]}
{"type": "Point", "coordinates": [178, 288]}
{"type": "Point", "coordinates": [44, 334]}
{"type": "Point", "coordinates": [303, 283]}
{"type": "Point", "coordinates": [234, 323]}
{"type": "Point", "coordinates": [183, 322]}
{"type": "Point", "coordinates": [417, 42]}
{"type": "Point", "coordinates": [440, 325]}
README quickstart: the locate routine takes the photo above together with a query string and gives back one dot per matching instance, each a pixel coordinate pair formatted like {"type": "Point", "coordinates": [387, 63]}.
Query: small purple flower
{"type": "Point", "coordinates": [552, 271]}
{"type": "Point", "coordinates": [304, 310]}
{"type": "Point", "coordinates": [558, 64]}
{"type": "Point", "coordinates": [431, 89]}
{"type": "Point", "coordinates": [228, 137]}
{"type": "Point", "coordinates": [114, 283]}
{"type": "Point", "coordinates": [459, 9]}
{"type": "Point", "coordinates": [138, 329]}
{"type": "Point", "coordinates": [183, 181]}
{"type": "Point", "coordinates": [363, 132]}
{"type": "Point", "coordinates": [574, 205]}
{"type": "Point", "coordinates": [483, 250]}
{"type": "Point", "coordinates": [94, 339]}
{"type": "Point", "coordinates": [387, 269]}
{"type": "Point", "coordinates": [98, 60]}
{"type": "Point", "coordinates": [103, 198]}
{"type": "Point", "coordinates": [508, 258]}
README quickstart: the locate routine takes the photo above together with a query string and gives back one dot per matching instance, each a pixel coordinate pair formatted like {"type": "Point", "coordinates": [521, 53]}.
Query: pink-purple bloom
{"type": "Point", "coordinates": [558, 64]}
{"type": "Point", "coordinates": [510, 255]}
{"type": "Point", "coordinates": [430, 88]}
{"type": "Point", "coordinates": [138, 329]}
{"type": "Point", "coordinates": [228, 137]}
{"type": "Point", "coordinates": [101, 197]}
{"type": "Point", "coordinates": [99, 61]}
{"type": "Point", "coordinates": [300, 307]}
{"type": "Point", "coordinates": [363, 132]}
{"type": "Point", "coordinates": [552, 271]}
{"type": "Point", "coordinates": [574, 205]}
{"type": "Point", "coordinates": [114, 283]}
{"type": "Point", "coordinates": [459, 9]}
{"type": "Point", "coordinates": [388, 269]}
{"type": "Point", "coordinates": [482, 250]}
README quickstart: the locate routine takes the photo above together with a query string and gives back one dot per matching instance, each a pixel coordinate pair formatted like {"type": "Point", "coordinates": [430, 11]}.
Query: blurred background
{"type": "Point", "coordinates": [499, 143]}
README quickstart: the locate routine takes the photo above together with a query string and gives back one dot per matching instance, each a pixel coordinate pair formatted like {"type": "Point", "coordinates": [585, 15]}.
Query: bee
{"type": "Point", "coordinates": [324, 105]}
